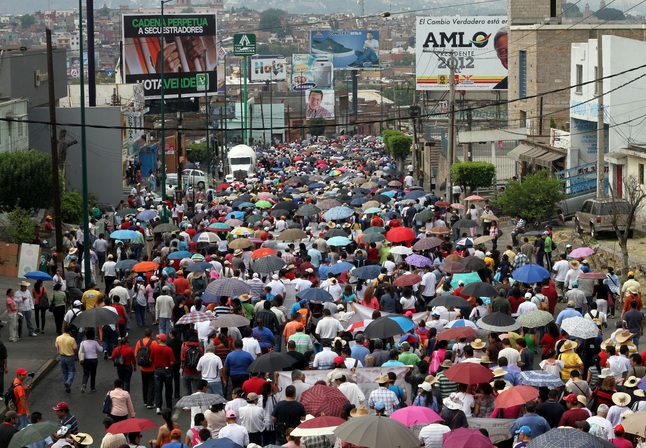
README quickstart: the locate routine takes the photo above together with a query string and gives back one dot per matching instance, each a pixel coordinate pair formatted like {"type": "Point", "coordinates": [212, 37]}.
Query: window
{"type": "Point", "coordinates": [579, 79]}
{"type": "Point", "coordinates": [522, 74]}
{"type": "Point", "coordinates": [641, 174]}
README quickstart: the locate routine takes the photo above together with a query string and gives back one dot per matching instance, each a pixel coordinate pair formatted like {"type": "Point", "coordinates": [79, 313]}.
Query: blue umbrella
{"type": "Point", "coordinates": [315, 295]}
{"type": "Point", "coordinates": [244, 205]}
{"type": "Point", "coordinates": [341, 267]}
{"type": "Point", "coordinates": [335, 213]}
{"type": "Point", "coordinates": [179, 255]}
{"type": "Point", "coordinates": [199, 267]}
{"type": "Point", "coordinates": [39, 275]}
{"type": "Point", "coordinates": [236, 215]}
{"type": "Point", "coordinates": [338, 241]}
{"type": "Point", "coordinates": [389, 193]}
{"type": "Point", "coordinates": [405, 323]}
{"type": "Point", "coordinates": [316, 185]}
{"type": "Point", "coordinates": [530, 273]}
{"type": "Point", "coordinates": [146, 215]}
{"type": "Point", "coordinates": [220, 443]}
{"type": "Point", "coordinates": [124, 234]}
{"type": "Point", "coordinates": [358, 201]}
{"type": "Point", "coordinates": [170, 271]}
{"type": "Point", "coordinates": [415, 194]}
{"type": "Point", "coordinates": [125, 264]}
{"type": "Point", "coordinates": [367, 272]}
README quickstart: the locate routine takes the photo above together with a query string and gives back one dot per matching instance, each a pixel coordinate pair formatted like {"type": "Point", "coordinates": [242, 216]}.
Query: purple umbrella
{"type": "Point", "coordinates": [418, 261]}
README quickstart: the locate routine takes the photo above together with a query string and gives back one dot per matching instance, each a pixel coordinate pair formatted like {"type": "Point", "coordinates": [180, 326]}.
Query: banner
{"type": "Point", "coordinates": [477, 46]}
{"type": "Point", "coordinates": [268, 68]}
{"type": "Point", "coordinates": [349, 48]}
{"type": "Point", "coordinates": [189, 57]}
{"type": "Point", "coordinates": [314, 73]}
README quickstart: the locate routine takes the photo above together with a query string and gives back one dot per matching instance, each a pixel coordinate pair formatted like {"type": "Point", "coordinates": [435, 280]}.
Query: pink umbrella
{"type": "Point", "coordinates": [466, 438]}
{"type": "Point", "coordinates": [415, 415]}
{"type": "Point", "coordinates": [581, 252]}
{"type": "Point", "coordinates": [474, 197]}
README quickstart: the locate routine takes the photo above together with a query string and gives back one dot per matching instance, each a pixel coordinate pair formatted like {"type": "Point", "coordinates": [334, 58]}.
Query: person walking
{"type": "Point", "coordinates": [20, 391]}
{"type": "Point", "coordinates": [66, 348]}
{"type": "Point", "coordinates": [125, 361]}
{"type": "Point", "coordinates": [121, 402]}
{"type": "Point", "coordinates": [143, 349]}
{"type": "Point", "coordinates": [41, 305]}
{"type": "Point", "coordinates": [89, 354]}
{"type": "Point", "coordinates": [210, 366]}
{"type": "Point", "coordinates": [163, 359]}
{"type": "Point", "coordinates": [25, 302]}
{"type": "Point", "coordinates": [58, 303]}
{"type": "Point", "coordinates": [190, 356]}
{"type": "Point", "coordinates": [164, 310]}
{"type": "Point", "coordinates": [12, 315]}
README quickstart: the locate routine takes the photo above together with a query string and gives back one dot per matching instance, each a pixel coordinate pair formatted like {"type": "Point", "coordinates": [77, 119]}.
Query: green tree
{"type": "Point", "coordinates": [72, 207]}
{"type": "Point", "coordinates": [27, 20]}
{"type": "Point", "coordinates": [271, 20]}
{"type": "Point", "coordinates": [399, 146]}
{"type": "Point", "coordinates": [316, 126]}
{"type": "Point", "coordinates": [473, 174]}
{"type": "Point", "coordinates": [26, 180]}
{"type": "Point", "coordinates": [196, 152]}
{"type": "Point", "coordinates": [610, 14]}
{"type": "Point", "coordinates": [571, 10]}
{"type": "Point", "coordinates": [20, 226]}
{"type": "Point", "coordinates": [534, 198]}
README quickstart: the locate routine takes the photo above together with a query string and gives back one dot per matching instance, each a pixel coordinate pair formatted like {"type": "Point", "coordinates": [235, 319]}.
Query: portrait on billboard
{"type": "Point", "coordinates": [500, 42]}
{"type": "Point", "coordinates": [348, 48]}
{"type": "Point", "coordinates": [320, 104]}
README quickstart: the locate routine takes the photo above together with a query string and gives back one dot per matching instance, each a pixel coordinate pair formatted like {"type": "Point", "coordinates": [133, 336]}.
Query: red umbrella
{"type": "Point", "coordinates": [593, 275]}
{"type": "Point", "coordinates": [323, 400]}
{"type": "Point", "coordinates": [474, 197]}
{"type": "Point", "coordinates": [515, 396]}
{"type": "Point", "coordinates": [407, 280]}
{"type": "Point", "coordinates": [415, 415]}
{"type": "Point", "coordinates": [222, 187]}
{"type": "Point", "coordinates": [442, 204]}
{"type": "Point", "coordinates": [262, 252]}
{"type": "Point", "coordinates": [317, 426]}
{"type": "Point", "coordinates": [400, 235]}
{"type": "Point", "coordinates": [131, 425]}
{"type": "Point", "coordinates": [469, 373]}
{"type": "Point", "coordinates": [456, 333]}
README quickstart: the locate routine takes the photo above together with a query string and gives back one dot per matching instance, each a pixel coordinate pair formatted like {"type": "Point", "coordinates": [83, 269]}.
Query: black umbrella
{"type": "Point", "coordinates": [372, 238]}
{"type": "Point", "coordinates": [278, 212]}
{"type": "Point", "coordinates": [387, 326]}
{"type": "Point", "coordinates": [96, 317]}
{"type": "Point", "coordinates": [367, 272]}
{"type": "Point", "coordinates": [267, 265]}
{"type": "Point", "coordinates": [448, 301]}
{"type": "Point", "coordinates": [286, 205]}
{"type": "Point", "coordinates": [479, 289]}
{"type": "Point", "coordinates": [335, 232]}
{"type": "Point", "coordinates": [272, 362]}
{"type": "Point", "coordinates": [499, 322]}
{"type": "Point", "coordinates": [382, 198]}
{"type": "Point", "coordinates": [473, 263]}
{"type": "Point", "coordinates": [464, 223]}
{"type": "Point", "coordinates": [308, 210]}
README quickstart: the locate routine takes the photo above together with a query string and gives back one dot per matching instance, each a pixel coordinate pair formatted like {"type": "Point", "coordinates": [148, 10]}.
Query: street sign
{"type": "Point", "coordinates": [202, 82]}
{"type": "Point", "coordinates": [244, 44]}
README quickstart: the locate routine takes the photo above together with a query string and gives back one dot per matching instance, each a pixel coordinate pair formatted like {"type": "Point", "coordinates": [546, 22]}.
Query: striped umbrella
{"type": "Point", "coordinates": [228, 287]}
{"type": "Point", "coordinates": [269, 264]}
{"type": "Point", "coordinates": [194, 317]}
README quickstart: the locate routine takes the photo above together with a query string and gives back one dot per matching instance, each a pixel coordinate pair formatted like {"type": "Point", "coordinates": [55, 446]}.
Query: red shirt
{"type": "Point", "coordinates": [552, 296]}
{"type": "Point", "coordinates": [621, 442]}
{"type": "Point", "coordinates": [253, 384]}
{"type": "Point", "coordinates": [181, 285]}
{"type": "Point", "coordinates": [184, 347]}
{"type": "Point", "coordinates": [162, 356]}
{"type": "Point", "coordinates": [570, 417]}
{"type": "Point", "coordinates": [373, 254]}
{"type": "Point", "coordinates": [128, 354]}
{"type": "Point", "coordinates": [515, 303]}
{"type": "Point", "coordinates": [121, 311]}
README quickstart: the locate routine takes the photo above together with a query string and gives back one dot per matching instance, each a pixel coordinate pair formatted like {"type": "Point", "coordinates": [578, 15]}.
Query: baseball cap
{"type": "Point", "coordinates": [339, 360]}
{"type": "Point", "coordinates": [231, 414]}
{"type": "Point", "coordinates": [409, 314]}
{"type": "Point", "coordinates": [525, 430]}
{"type": "Point", "coordinates": [176, 433]}
{"type": "Point", "coordinates": [21, 371]}
{"type": "Point", "coordinates": [528, 295]}
{"type": "Point", "coordinates": [340, 307]}
{"type": "Point", "coordinates": [252, 396]}
{"type": "Point", "coordinates": [380, 406]}
{"type": "Point", "coordinates": [619, 428]}
{"type": "Point", "coordinates": [161, 337]}
{"type": "Point", "coordinates": [571, 398]}
{"type": "Point", "coordinates": [78, 303]}
{"type": "Point", "coordinates": [10, 414]}
{"type": "Point", "coordinates": [405, 346]}
{"type": "Point", "coordinates": [61, 406]}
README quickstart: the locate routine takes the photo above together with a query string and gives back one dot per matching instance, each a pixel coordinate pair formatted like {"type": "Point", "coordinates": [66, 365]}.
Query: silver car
{"type": "Point", "coordinates": [597, 215]}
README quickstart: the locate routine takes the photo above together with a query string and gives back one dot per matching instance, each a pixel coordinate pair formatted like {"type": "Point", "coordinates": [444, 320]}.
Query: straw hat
{"type": "Point", "coordinates": [623, 336]}
{"type": "Point", "coordinates": [574, 264]}
{"type": "Point", "coordinates": [639, 393]}
{"type": "Point", "coordinates": [484, 359]}
{"type": "Point", "coordinates": [478, 344]}
{"type": "Point", "coordinates": [568, 345]}
{"type": "Point", "coordinates": [382, 379]}
{"type": "Point", "coordinates": [499, 372]}
{"type": "Point", "coordinates": [83, 439]}
{"type": "Point", "coordinates": [244, 297]}
{"type": "Point", "coordinates": [621, 398]}
{"type": "Point", "coordinates": [446, 363]}
{"type": "Point", "coordinates": [25, 283]}
{"type": "Point", "coordinates": [361, 411]}
{"type": "Point", "coordinates": [331, 225]}
{"type": "Point", "coordinates": [631, 381]}
{"type": "Point", "coordinates": [607, 343]}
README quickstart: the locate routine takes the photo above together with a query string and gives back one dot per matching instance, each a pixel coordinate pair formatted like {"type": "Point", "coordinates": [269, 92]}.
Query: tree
{"type": "Point", "coordinates": [196, 152]}
{"type": "Point", "coordinates": [473, 174]}
{"type": "Point", "coordinates": [634, 196]}
{"type": "Point", "coordinates": [534, 198]}
{"type": "Point", "coordinates": [20, 226]}
{"type": "Point", "coordinates": [72, 207]}
{"type": "Point", "coordinates": [272, 20]}
{"type": "Point", "coordinates": [27, 20]}
{"type": "Point", "coordinates": [610, 14]}
{"type": "Point", "coordinates": [398, 145]}
{"type": "Point", "coordinates": [571, 10]}
{"type": "Point", "coordinates": [316, 126]}
{"type": "Point", "coordinates": [26, 180]}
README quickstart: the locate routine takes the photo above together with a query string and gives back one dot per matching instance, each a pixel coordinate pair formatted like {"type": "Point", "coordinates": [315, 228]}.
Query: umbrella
{"type": "Point", "coordinates": [335, 232]}
{"type": "Point", "coordinates": [228, 287]}
{"type": "Point", "coordinates": [199, 266]}
{"type": "Point", "coordinates": [374, 229]}
{"type": "Point", "coordinates": [419, 261]}
{"type": "Point", "coordinates": [194, 317]}
{"type": "Point", "coordinates": [461, 323]}
{"type": "Point", "coordinates": [530, 273]}
{"type": "Point", "coordinates": [145, 266]}
{"type": "Point", "coordinates": [289, 206]}
{"type": "Point", "coordinates": [400, 235]}
{"type": "Point", "coordinates": [269, 264]}
{"type": "Point", "coordinates": [539, 378]}
{"type": "Point", "coordinates": [229, 320]}
{"type": "Point", "coordinates": [579, 327]}
{"type": "Point", "coordinates": [458, 206]}
{"type": "Point", "coordinates": [424, 215]}
{"type": "Point", "coordinates": [341, 267]}
{"type": "Point", "coordinates": [146, 215]}
{"type": "Point", "coordinates": [33, 433]}
{"type": "Point", "coordinates": [125, 264]}
{"type": "Point", "coordinates": [568, 438]}
{"type": "Point", "coordinates": [262, 252]}
{"type": "Point", "coordinates": [483, 239]}
{"type": "Point", "coordinates": [401, 250]}
{"type": "Point", "coordinates": [535, 319]}
{"type": "Point", "coordinates": [464, 223]}
{"type": "Point", "coordinates": [473, 263]}
{"type": "Point", "coordinates": [464, 242]}
{"type": "Point", "coordinates": [39, 275]}
{"type": "Point", "coordinates": [439, 230]}
{"type": "Point", "coordinates": [466, 438]}
{"type": "Point", "coordinates": [490, 217]}
{"type": "Point", "coordinates": [263, 204]}
{"type": "Point", "coordinates": [126, 211]}
{"type": "Point", "coordinates": [339, 212]}
{"type": "Point", "coordinates": [318, 426]}
{"type": "Point", "coordinates": [387, 326]}
{"type": "Point", "coordinates": [166, 227]}
{"type": "Point", "coordinates": [132, 425]}
{"type": "Point", "coordinates": [515, 396]}
{"type": "Point", "coordinates": [634, 423]}
{"type": "Point", "coordinates": [415, 194]}
{"type": "Point", "coordinates": [581, 252]}
{"type": "Point", "coordinates": [457, 333]}
{"type": "Point", "coordinates": [593, 275]}
{"type": "Point", "coordinates": [327, 204]}
{"type": "Point", "coordinates": [372, 237]}
{"type": "Point", "coordinates": [359, 325]}
{"type": "Point", "coordinates": [291, 235]}
{"type": "Point", "coordinates": [242, 231]}
{"type": "Point", "coordinates": [308, 210]}
{"type": "Point", "coordinates": [372, 210]}
{"type": "Point", "coordinates": [96, 317]}
{"type": "Point", "coordinates": [453, 267]}
{"type": "Point", "coordinates": [499, 322]}
{"type": "Point", "coordinates": [467, 278]}
{"type": "Point", "coordinates": [240, 243]}
{"type": "Point", "coordinates": [254, 219]}
{"type": "Point", "coordinates": [124, 234]}
{"type": "Point", "coordinates": [367, 272]}
{"type": "Point", "coordinates": [323, 400]}
{"type": "Point", "coordinates": [449, 301]}
{"type": "Point", "coordinates": [407, 280]}
{"type": "Point", "coordinates": [234, 222]}
{"type": "Point", "coordinates": [469, 373]}
{"type": "Point", "coordinates": [474, 197]}
{"type": "Point", "coordinates": [415, 415]}
{"type": "Point", "coordinates": [427, 243]}
{"type": "Point", "coordinates": [479, 289]}
{"type": "Point", "coordinates": [219, 227]}
{"type": "Point", "coordinates": [339, 241]}
{"type": "Point", "coordinates": [376, 432]}
{"type": "Point", "coordinates": [315, 295]}
{"type": "Point", "coordinates": [206, 237]}
{"type": "Point", "coordinates": [200, 400]}
{"type": "Point", "coordinates": [178, 255]}
{"type": "Point", "coordinates": [272, 362]}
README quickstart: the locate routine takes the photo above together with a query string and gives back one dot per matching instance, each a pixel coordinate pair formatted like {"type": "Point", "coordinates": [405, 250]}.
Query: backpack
{"type": "Point", "coordinates": [192, 357]}
{"type": "Point", "coordinates": [143, 354]}
{"type": "Point", "coordinates": [119, 359]}
{"type": "Point", "coordinates": [74, 330]}
{"type": "Point", "coordinates": [10, 397]}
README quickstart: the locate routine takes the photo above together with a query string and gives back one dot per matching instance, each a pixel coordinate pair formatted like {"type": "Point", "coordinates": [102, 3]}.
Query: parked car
{"type": "Point", "coordinates": [597, 215]}
{"type": "Point", "coordinates": [190, 176]}
{"type": "Point", "coordinates": [568, 207]}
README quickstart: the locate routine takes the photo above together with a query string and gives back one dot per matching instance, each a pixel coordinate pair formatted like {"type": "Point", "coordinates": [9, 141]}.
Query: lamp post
{"type": "Point", "coordinates": [86, 212]}
{"type": "Point", "coordinates": [164, 217]}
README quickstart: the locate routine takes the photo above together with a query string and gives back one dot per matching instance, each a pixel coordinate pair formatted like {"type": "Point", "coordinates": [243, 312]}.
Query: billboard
{"type": "Point", "coordinates": [314, 73]}
{"type": "Point", "coordinates": [189, 59]}
{"type": "Point", "coordinates": [349, 48]}
{"type": "Point", "coordinates": [268, 68]}
{"type": "Point", "coordinates": [479, 48]}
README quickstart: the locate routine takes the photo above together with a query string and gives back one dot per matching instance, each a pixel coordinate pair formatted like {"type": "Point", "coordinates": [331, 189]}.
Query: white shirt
{"type": "Point", "coordinates": [210, 365]}
{"type": "Point", "coordinates": [109, 269]}
{"type": "Point", "coordinates": [512, 355]}
{"type": "Point", "coordinates": [390, 266]}
{"type": "Point", "coordinates": [560, 268]}
{"type": "Point", "coordinates": [428, 282]}
{"type": "Point", "coordinates": [236, 433]}
{"type": "Point", "coordinates": [468, 402]}
{"type": "Point", "coordinates": [121, 292]}
{"type": "Point", "coordinates": [605, 424]}
{"type": "Point", "coordinates": [251, 417]}
{"type": "Point", "coordinates": [432, 435]}
{"type": "Point", "coordinates": [251, 346]}
{"type": "Point", "coordinates": [617, 367]}
{"type": "Point", "coordinates": [353, 393]}
{"type": "Point", "coordinates": [277, 287]}
{"type": "Point", "coordinates": [328, 328]}
{"type": "Point", "coordinates": [24, 300]}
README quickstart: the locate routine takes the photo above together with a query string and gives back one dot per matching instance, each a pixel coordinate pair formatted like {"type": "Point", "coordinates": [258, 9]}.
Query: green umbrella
{"type": "Point", "coordinates": [254, 219]}
{"type": "Point", "coordinates": [126, 211]}
{"type": "Point", "coordinates": [167, 227]}
{"type": "Point", "coordinates": [370, 230]}
{"type": "Point", "coordinates": [33, 433]}
{"type": "Point", "coordinates": [263, 204]}
{"type": "Point", "coordinates": [424, 215]}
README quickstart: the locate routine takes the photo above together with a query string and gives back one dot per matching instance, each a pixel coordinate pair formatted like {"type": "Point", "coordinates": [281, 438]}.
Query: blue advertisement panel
{"type": "Point", "coordinates": [349, 48]}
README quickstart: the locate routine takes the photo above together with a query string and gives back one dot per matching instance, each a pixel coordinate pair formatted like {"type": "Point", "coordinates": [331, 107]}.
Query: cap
{"type": "Point", "coordinates": [176, 433]}
{"type": "Point", "coordinates": [231, 414]}
{"type": "Point", "coordinates": [546, 233]}
{"type": "Point", "coordinates": [110, 257]}
{"type": "Point", "coordinates": [161, 337]}
{"type": "Point", "coordinates": [252, 396]}
{"type": "Point", "coordinates": [460, 282]}
{"type": "Point", "coordinates": [619, 428]}
{"type": "Point", "coordinates": [10, 414]}
{"type": "Point", "coordinates": [630, 274]}
{"type": "Point", "coordinates": [61, 406]}
{"type": "Point", "coordinates": [426, 386]}
{"type": "Point", "coordinates": [409, 314]}
{"type": "Point", "coordinates": [77, 303]}
{"type": "Point", "coordinates": [405, 346]}
{"type": "Point", "coordinates": [274, 277]}
{"type": "Point", "coordinates": [524, 430]}
{"type": "Point", "coordinates": [339, 307]}
{"type": "Point", "coordinates": [21, 371]}
{"type": "Point", "coordinates": [570, 398]}
{"type": "Point", "coordinates": [339, 360]}
{"type": "Point", "coordinates": [380, 406]}
{"type": "Point", "coordinates": [165, 288]}
{"type": "Point", "coordinates": [570, 303]}
{"type": "Point", "coordinates": [339, 376]}
{"type": "Point", "coordinates": [528, 295]}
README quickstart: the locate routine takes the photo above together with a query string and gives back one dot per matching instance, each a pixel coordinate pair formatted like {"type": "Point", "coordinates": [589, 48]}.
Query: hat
{"type": "Point", "coordinates": [48, 217]}
{"type": "Point", "coordinates": [405, 346]}
{"type": "Point", "coordinates": [487, 253]}
{"type": "Point", "coordinates": [110, 257]}
{"type": "Point", "coordinates": [176, 433]}
{"type": "Point", "coordinates": [460, 282]}
{"type": "Point", "coordinates": [338, 375]}
{"type": "Point", "coordinates": [343, 341]}
{"type": "Point", "coordinates": [115, 282]}
{"type": "Point", "coordinates": [426, 386]}
{"type": "Point", "coordinates": [478, 344]}
{"type": "Point", "coordinates": [309, 270]}
{"type": "Point", "coordinates": [574, 264]}
{"type": "Point", "coordinates": [570, 303]}
{"type": "Point", "coordinates": [10, 414]}
{"type": "Point", "coordinates": [567, 346]}
{"type": "Point", "coordinates": [290, 266]}
{"type": "Point", "coordinates": [575, 284]}
{"type": "Point", "coordinates": [452, 402]}
{"type": "Point", "coordinates": [244, 297]}
{"type": "Point", "coordinates": [161, 337]}
{"type": "Point", "coordinates": [621, 398]}
{"type": "Point", "coordinates": [584, 425]}
{"type": "Point", "coordinates": [154, 278]}
{"type": "Point", "coordinates": [61, 406]}
{"type": "Point", "coordinates": [231, 414]}
{"type": "Point", "coordinates": [639, 393]}
{"type": "Point", "coordinates": [623, 336]}
{"type": "Point", "coordinates": [83, 438]}
{"type": "Point", "coordinates": [166, 288]}
{"type": "Point", "coordinates": [630, 290]}
{"type": "Point", "coordinates": [252, 396]}
{"type": "Point", "coordinates": [237, 252]}
{"type": "Point", "coordinates": [255, 275]}
{"type": "Point", "coordinates": [409, 314]}
{"type": "Point", "coordinates": [605, 372]}
{"type": "Point", "coordinates": [24, 283]}
{"type": "Point", "coordinates": [619, 428]}
{"type": "Point", "coordinates": [77, 303]}
{"type": "Point", "coordinates": [630, 274]}
{"type": "Point", "coordinates": [446, 364]}
{"type": "Point", "coordinates": [422, 229]}
{"type": "Point", "coordinates": [484, 359]}
{"type": "Point", "coordinates": [582, 399]}
{"type": "Point", "coordinates": [21, 371]}
{"type": "Point", "coordinates": [585, 262]}
{"type": "Point", "coordinates": [331, 225]}
{"type": "Point", "coordinates": [528, 296]}
{"type": "Point", "coordinates": [380, 406]}
{"type": "Point", "coordinates": [73, 251]}
{"type": "Point", "coordinates": [361, 411]}
{"type": "Point", "coordinates": [524, 430]}
{"type": "Point", "coordinates": [141, 279]}
{"type": "Point", "coordinates": [340, 307]}
{"type": "Point", "coordinates": [275, 277]}
{"type": "Point", "coordinates": [631, 381]}
{"type": "Point", "coordinates": [570, 398]}
{"type": "Point", "coordinates": [499, 372]}
{"type": "Point", "coordinates": [340, 360]}
{"type": "Point", "coordinates": [381, 379]}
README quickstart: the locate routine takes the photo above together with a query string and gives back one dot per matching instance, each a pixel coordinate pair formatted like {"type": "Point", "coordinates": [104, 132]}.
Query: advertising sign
{"type": "Point", "coordinates": [189, 51]}
{"type": "Point", "coordinates": [477, 46]}
{"type": "Point", "coordinates": [268, 68]}
{"type": "Point", "coordinates": [314, 73]}
{"type": "Point", "coordinates": [348, 48]}
{"type": "Point", "coordinates": [244, 44]}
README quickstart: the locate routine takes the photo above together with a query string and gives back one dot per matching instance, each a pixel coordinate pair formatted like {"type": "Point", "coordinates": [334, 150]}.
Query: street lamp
{"type": "Point", "coordinates": [164, 217]}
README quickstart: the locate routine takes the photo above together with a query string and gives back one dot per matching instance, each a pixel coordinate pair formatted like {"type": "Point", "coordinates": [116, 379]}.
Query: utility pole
{"type": "Point", "coordinates": [178, 146]}
{"type": "Point", "coordinates": [601, 134]}
{"type": "Point", "coordinates": [451, 63]}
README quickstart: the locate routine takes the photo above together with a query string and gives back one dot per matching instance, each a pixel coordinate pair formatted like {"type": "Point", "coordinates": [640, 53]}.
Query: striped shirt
{"type": "Point", "coordinates": [520, 260]}
{"type": "Point", "coordinates": [447, 387]}
{"type": "Point", "coordinates": [386, 396]}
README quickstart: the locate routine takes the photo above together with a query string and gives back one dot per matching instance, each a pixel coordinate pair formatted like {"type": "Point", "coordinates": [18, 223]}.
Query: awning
{"type": "Point", "coordinates": [515, 153]}
{"type": "Point", "coordinates": [535, 155]}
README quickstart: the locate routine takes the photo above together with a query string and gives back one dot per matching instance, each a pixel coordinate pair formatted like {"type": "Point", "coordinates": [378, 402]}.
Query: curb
{"type": "Point", "coordinates": [42, 371]}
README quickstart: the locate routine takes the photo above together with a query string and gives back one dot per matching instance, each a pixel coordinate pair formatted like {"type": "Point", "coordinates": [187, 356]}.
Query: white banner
{"type": "Point", "coordinates": [29, 258]}
{"type": "Point", "coordinates": [498, 428]}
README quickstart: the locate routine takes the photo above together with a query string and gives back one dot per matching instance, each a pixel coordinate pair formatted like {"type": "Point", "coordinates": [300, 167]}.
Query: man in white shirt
{"type": "Point", "coordinates": [428, 284]}
{"type": "Point", "coordinates": [299, 384]}
{"type": "Point", "coordinates": [327, 328]}
{"type": "Point", "coordinates": [25, 302]}
{"type": "Point", "coordinates": [251, 418]}
{"type": "Point", "coordinates": [508, 352]}
{"type": "Point", "coordinates": [277, 287]}
{"type": "Point", "coordinates": [210, 366]}
{"type": "Point", "coordinates": [234, 431]}
{"type": "Point", "coordinates": [527, 305]}
{"type": "Point", "coordinates": [250, 344]}
{"type": "Point", "coordinates": [121, 292]}
{"type": "Point", "coordinates": [164, 310]}
{"type": "Point", "coordinates": [432, 436]}
{"type": "Point", "coordinates": [560, 269]}
{"type": "Point", "coordinates": [389, 264]}
{"type": "Point", "coordinates": [350, 390]}
{"type": "Point", "coordinates": [605, 430]}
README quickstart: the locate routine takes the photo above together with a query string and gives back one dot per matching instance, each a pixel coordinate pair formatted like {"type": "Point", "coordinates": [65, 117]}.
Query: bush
{"type": "Point", "coordinates": [196, 152]}
{"type": "Point", "coordinates": [26, 180]}
{"type": "Point", "coordinates": [473, 174]}
{"type": "Point", "coordinates": [72, 207]}
{"type": "Point", "coordinates": [20, 226]}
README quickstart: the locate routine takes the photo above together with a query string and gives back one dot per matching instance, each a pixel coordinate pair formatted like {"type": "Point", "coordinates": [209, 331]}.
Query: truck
{"type": "Point", "coordinates": [242, 163]}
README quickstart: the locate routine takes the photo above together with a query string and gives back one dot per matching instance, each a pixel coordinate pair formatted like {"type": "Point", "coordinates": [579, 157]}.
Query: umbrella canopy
{"type": "Point", "coordinates": [194, 317]}
{"type": "Point", "coordinates": [132, 425]}
{"type": "Point", "coordinates": [96, 317]}
{"type": "Point", "coordinates": [464, 223]}
{"type": "Point", "coordinates": [415, 415]}
{"type": "Point", "coordinates": [415, 194]}
{"type": "Point", "coordinates": [291, 235]}
{"type": "Point", "coordinates": [539, 378]}
{"type": "Point", "coordinates": [242, 231]}
{"type": "Point", "coordinates": [400, 235]}
{"type": "Point", "coordinates": [376, 432]}
{"type": "Point", "coordinates": [452, 267]}
{"type": "Point", "coordinates": [207, 237]}
{"type": "Point", "coordinates": [517, 395]}
{"type": "Point", "coordinates": [39, 275]}
{"type": "Point", "coordinates": [262, 252]}
{"type": "Point", "coordinates": [401, 250]}
{"type": "Point", "coordinates": [439, 230]}
{"type": "Point", "coordinates": [339, 212]}
{"type": "Point", "coordinates": [473, 263]}
{"type": "Point", "coordinates": [229, 320]}
{"type": "Point", "coordinates": [201, 400]}
{"type": "Point", "coordinates": [457, 333]}
{"type": "Point", "coordinates": [469, 373]}
{"type": "Point", "coordinates": [335, 232]}
{"type": "Point", "coordinates": [269, 264]}
{"type": "Point", "coordinates": [593, 275]}
{"type": "Point", "coordinates": [234, 222]}
{"type": "Point", "coordinates": [272, 362]}
{"type": "Point", "coordinates": [124, 234]}
{"type": "Point", "coordinates": [308, 210]}
{"type": "Point", "coordinates": [427, 243]}
{"type": "Point", "coordinates": [580, 327]}
{"type": "Point", "coordinates": [474, 197]}
{"type": "Point", "coordinates": [479, 289]}
{"type": "Point", "coordinates": [228, 287]}
{"type": "Point", "coordinates": [419, 261]}
{"type": "Point", "coordinates": [33, 433]}
{"type": "Point", "coordinates": [367, 272]}
{"type": "Point", "coordinates": [263, 204]}
{"type": "Point", "coordinates": [323, 400]}
{"type": "Point", "coordinates": [388, 326]}
{"type": "Point", "coordinates": [374, 229]}
{"type": "Point", "coordinates": [483, 239]}
{"type": "Point", "coordinates": [634, 423]}
{"type": "Point", "coordinates": [530, 273]}
{"type": "Point", "coordinates": [327, 204]}
{"type": "Point", "coordinates": [199, 266]}
{"type": "Point", "coordinates": [289, 206]}
{"type": "Point", "coordinates": [146, 215]}
{"type": "Point", "coordinates": [315, 295]}
{"type": "Point", "coordinates": [240, 243]}
{"type": "Point", "coordinates": [166, 227]}
{"type": "Point", "coordinates": [126, 211]}
{"type": "Point", "coordinates": [372, 237]}
{"type": "Point", "coordinates": [338, 241]}
{"type": "Point", "coordinates": [424, 215]}
{"type": "Point", "coordinates": [178, 255]}
{"type": "Point", "coordinates": [324, 425]}
{"type": "Point", "coordinates": [568, 438]}
{"type": "Point", "coordinates": [535, 319]}
{"type": "Point", "coordinates": [449, 301]}
{"type": "Point", "coordinates": [125, 264]}
{"type": "Point", "coordinates": [461, 323]}
{"type": "Point", "coordinates": [499, 322]}
{"type": "Point", "coordinates": [466, 438]}
{"type": "Point", "coordinates": [407, 280]}
{"type": "Point", "coordinates": [341, 267]}
{"type": "Point", "coordinates": [581, 252]}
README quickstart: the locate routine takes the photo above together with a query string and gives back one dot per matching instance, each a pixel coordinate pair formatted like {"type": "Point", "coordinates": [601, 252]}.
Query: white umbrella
{"type": "Point", "coordinates": [580, 327]}
{"type": "Point", "coordinates": [401, 250]}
